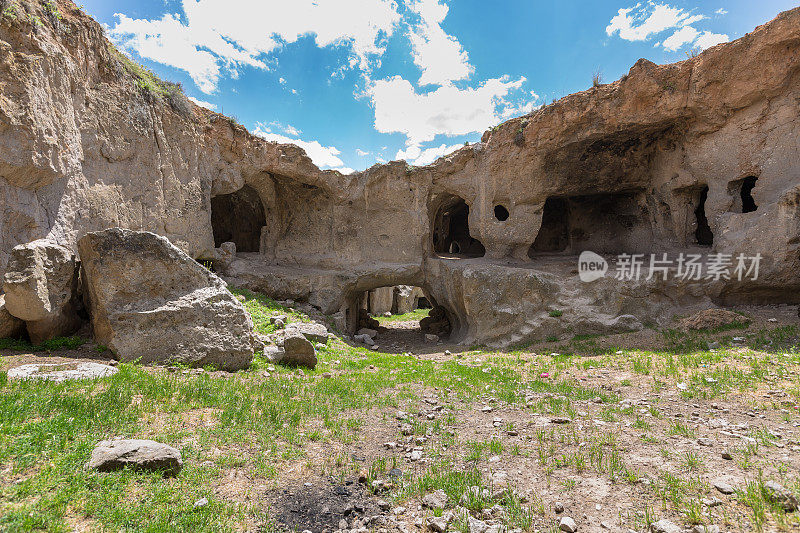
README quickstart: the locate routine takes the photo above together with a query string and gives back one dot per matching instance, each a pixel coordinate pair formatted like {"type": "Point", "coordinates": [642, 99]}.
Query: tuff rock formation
{"type": "Point", "coordinates": [41, 288]}
{"type": "Point", "coordinates": [698, 156]}
{"type": "Point", "coordinates": [150, 301]}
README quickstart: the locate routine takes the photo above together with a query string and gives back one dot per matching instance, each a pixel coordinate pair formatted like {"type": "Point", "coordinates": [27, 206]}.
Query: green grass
{"type": "Point", "coordinates": [59, 343]}
{"type": "Point", "coordinates": [416, 314]}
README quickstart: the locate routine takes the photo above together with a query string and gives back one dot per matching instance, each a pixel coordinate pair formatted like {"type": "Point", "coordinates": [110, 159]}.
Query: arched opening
{"type": "Point", "coordinates": [396, 318]}
{"type": "Point", "coordinates": [238, 218]}
{"type": "Point", "coordinates": [451, 230]}
{"type": "Point", "coordinates": [703, 234]}
{"type": "Point", "coordinates": [501, 213]}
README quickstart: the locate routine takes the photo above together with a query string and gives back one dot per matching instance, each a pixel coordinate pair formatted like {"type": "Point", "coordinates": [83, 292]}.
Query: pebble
{"type": "Point", "coordinates": [558, 507]}
{"type": "Point", "coordinates": [723, 487]}
{"type": "Point", "coordinates": [567, 525]}
{"type": "Point", "coordinates": [202, 502]}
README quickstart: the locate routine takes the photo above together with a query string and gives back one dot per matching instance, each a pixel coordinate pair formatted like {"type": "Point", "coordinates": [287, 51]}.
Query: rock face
{"type": "Point", "coordinates": [62, 371]}
{"type": "Point", "coordinates": [111, 455]}
{"type": "Point", "coordinates": [41, 286]}
{"type": "Point", "coordinates": [696, 157]}
{"type": "Point", "coordinates": [152, 302]}
{"type": "Point", "coordinates": [11, 327]}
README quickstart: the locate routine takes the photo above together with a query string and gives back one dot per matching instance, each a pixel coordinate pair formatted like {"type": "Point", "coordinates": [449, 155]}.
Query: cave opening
{"type": "Point", "coordinates": [703, 234]}
{"type": "Point", "coordinates": [395, 317]}
{"type": "Point", "coordinates": [238, 218]}
{"type": "Point", "coordinates": [553, 236]}
{"type": "Point", "coordinates": [451, 230]}
{"type": "Point", "coordinates": [609, 223]}
{"type": "Point", "coordinates": [746, 194]}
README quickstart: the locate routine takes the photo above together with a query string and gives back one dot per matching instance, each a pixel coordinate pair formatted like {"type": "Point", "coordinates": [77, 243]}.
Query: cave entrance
{"type": "Point", "coordinates": [553, 236]}
{"type": "Point", "coordinates": [396, 318]}
{"type": "Point", "coordinates": [238, 218]}
{"type": "Point", "coordinates": [703, 234]}
{"type": "Point", "coordinates": [603, 223]}
{"type": "Point", "coordinates": [451, 230]}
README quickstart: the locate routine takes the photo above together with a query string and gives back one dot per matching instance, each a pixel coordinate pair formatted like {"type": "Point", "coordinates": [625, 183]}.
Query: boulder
{"type": "Point", "coordinates": [298, 351]}
{"type": "Point", "coordinates": [41, 288]}
{"type": "Point", "coordinates": [364, 339]}
{"type": "Point", "coordinates": [11, 327]}
{"type": "Point", "coordinates": [62, 371]}
{"type": "Point", "coordinates": [151, 302]}
{"type": "Point", "coordinates": [116, 454]}
{"type": "Point", "coordinates": [312, 331]}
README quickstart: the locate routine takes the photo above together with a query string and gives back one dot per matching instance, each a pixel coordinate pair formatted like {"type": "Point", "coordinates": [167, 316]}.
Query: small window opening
{"type": "Point", "coordinates": [501, 213]}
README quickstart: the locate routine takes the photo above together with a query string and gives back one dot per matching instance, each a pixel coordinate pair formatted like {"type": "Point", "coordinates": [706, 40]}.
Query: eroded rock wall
{"type": "Point", "coordinates": [83, 147]}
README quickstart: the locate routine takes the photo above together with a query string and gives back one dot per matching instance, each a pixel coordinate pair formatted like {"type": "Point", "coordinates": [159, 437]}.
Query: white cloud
{"type": "Point", "coordinates": [291, 130]}
{"type": "Point", "coordinates": [361, 153]}
{"type": "Point", "coordinates": [202, 103]}
{"type": "Point", "coordinates": [282, 81]}
{"type": "Point", "coordinates": [721, 11]}
{"type": "Point", "coordinates": [639, 22]}
{"type": "Point", "coordinates": [228, 34]}
{"type": "Point", "coordinates": [322, 156]}
{"type": "Point", "coordinates": [420, 157]}
{"type": "Point", "coordinates": [448, 110]}
{"type": "Point", "coordinates": [708, 39]}
{"type": "Point", "coordinates": [683, 36]}
{"type": "Point", "coordinates": [440, 56]}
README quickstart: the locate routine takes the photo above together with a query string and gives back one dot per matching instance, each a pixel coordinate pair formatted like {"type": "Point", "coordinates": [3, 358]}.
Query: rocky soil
{"type": "Point", "coordinates": [642, 431]}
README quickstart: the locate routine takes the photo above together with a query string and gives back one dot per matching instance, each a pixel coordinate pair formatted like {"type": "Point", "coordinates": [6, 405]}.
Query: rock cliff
{"type": "Point", "coordinates": [700, 156]}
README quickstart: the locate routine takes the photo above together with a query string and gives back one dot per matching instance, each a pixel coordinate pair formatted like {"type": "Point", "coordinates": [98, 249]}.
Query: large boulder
{"type": "Point", "coordinates": [11, 327]}
{"type": "Point", "coordinates": [41, 286]}
{"type": "Point", "coordinates": [152, 302]}
{"type": "Point", "coordinates": [137, 454]}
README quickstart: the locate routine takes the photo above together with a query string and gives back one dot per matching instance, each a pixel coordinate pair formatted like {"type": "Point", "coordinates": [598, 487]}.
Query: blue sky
{"type": "Point", "coordinates": [356, 82]}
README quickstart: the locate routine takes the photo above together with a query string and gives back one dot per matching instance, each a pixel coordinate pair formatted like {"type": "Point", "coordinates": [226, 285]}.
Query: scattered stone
{"type": "Point", "coordinates": [383, 505]}
{"type": "Point", "coordinates": [298, 350]}
{"type": "Point", "coordinates": [435, 500]}
{"type": "Point", "coordinates": [416, 455]}
{"type": "Point", "coordinates": [476, 526]}
{"type": "Point", "coordinates": [150, 301]}
{"type": "Point", "coordinates": [62, 371]}
{"type": "Point", "coordinates": [702, 528]}
{"type": "Point", "coordinates": [431, 338]}
{"type": "Point", "coordinates": [567, 524]}
{"type": "Point", "coordinates": [665, 526]}
{"type": "Point", "coordinates": [705, 441]}
{"type": "Point", "coordinates": [369, 332]}
{"type": "Point", "coordinates": [723, 487]}
{"type": "Point", "coordinates": [558, 507]}
{"type": "Point", "coordinates": [560, 420]}
{"type": "Point", "coordinates": [41, 288]}
{"type": "Point", "coordinates": [437, 524]}
{"type": "Point", "coordinates": [364, 339]}
{"type": "Point", "coordinates": [116, 454]}
{"type": "Point", "coordinates": [727, 456]}
{"type": "Point", "coordinates": [777, 493]}
{"type": "Point", "coordinates": [202, 502]}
